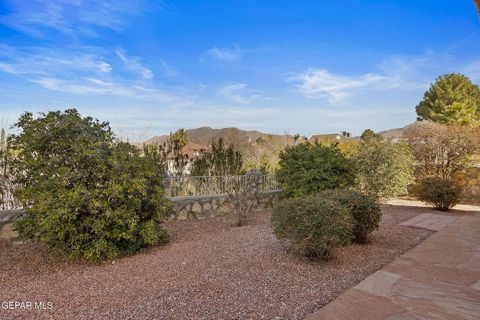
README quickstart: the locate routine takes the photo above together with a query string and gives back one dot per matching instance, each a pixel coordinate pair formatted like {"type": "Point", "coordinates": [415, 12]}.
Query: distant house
{"type": "Point", "coordinates": [331, 137]}
{"type": "Point", "coordinates": [192, 151]}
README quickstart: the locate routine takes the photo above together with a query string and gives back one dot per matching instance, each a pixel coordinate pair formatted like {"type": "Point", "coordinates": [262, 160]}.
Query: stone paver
{"type": "Point", "coordinates": [429, 221]}
{"type": "Point", "coordinates": [438, 279]}
{"type": "Point", "coordinates": [7, 231]}
{"type": "Point", "coordinates": [379, 284]}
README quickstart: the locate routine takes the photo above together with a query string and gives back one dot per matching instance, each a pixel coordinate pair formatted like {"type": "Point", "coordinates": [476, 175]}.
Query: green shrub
{"type": "Point", "coordinates": [308, 168]}
{"type": "Point", "coordinates": [385, 169]}
{"type": "Point", "coordinates": [85, 194]}
{"type": "Point", "coordinates": [442, 193]}
{"type": "Point", "coordinates": [312, 227]}
{"type": "Point", "coordinates": [364, 209]}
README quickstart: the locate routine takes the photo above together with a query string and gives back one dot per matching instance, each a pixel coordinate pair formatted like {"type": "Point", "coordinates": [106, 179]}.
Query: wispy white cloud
{"type": "Point", "coordinates": [87, 74]}
{"type": "Point", "coordinates": [8, 68]}
{"type": "Point", "coordinates": [89, 86]}
{"type": "Point", "coordinates": [318, 83]}
{"type": "Point", "coordinates": [69, 17]}
{"type": "Point", "coordinates": [134, 64]}
{"type": "Point", "coordinates": [240, 93]}
{"type": "Point", "coordinates": [415, 72]}
{"type": "Point", "coordinates": [39, 61]}
{"type": "Point", "coordinates": [225, 54]}
{"type": "Point", "coordinates": [397, 72]}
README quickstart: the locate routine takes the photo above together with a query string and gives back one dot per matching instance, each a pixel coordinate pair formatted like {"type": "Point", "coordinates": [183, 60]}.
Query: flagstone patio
{"type": "Point", "coordinates": [438, 279]}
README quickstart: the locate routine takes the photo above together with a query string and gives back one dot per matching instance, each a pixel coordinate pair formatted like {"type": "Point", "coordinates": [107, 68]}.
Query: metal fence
{"type": "Point", "coordinates": [7, 199]}
{"type": "Point", "coordinates": [177, 186]}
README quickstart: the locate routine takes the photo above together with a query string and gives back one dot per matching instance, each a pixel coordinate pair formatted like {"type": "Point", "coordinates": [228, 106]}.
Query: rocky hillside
{"type": "Point", "coordinates": [399, 133]}
{"type": "Point", "coordinates": [239, 138]}
{"type": "Point", "coordinates": [259, 150]}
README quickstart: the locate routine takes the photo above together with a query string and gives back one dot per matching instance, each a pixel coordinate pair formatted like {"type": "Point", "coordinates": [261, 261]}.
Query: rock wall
{"type": "Point", "coordinates": [9, 216]}
{"type": "Point", "coordinates": [185, 208]}
{"type": "Point", "coordinates": [7, 222]}
{"type": "Point", "coordinates": [470, 181]}
{"type": "Point", "coordinates": [209, 206]}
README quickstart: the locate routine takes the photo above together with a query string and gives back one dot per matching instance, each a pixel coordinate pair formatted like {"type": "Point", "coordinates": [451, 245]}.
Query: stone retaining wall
{"type": "Point", "coordinates": [209, 206]}
{"type": "Point", "coordinates": [7, 220]}
{"type": "Point", "coordinates": [186, 208]}
{"type": "Point", "coordinates": [9, 216]}
{"type": "Point", "coordinates": [470, 181]}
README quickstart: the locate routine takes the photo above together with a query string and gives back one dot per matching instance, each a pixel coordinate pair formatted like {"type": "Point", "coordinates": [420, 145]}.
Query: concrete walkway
{"type": "Point", "coordinates": [438, 279]}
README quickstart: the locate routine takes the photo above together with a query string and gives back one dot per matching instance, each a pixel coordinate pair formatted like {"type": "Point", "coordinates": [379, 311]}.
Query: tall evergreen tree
{"type": "Point", "coordinates": [452, 99]}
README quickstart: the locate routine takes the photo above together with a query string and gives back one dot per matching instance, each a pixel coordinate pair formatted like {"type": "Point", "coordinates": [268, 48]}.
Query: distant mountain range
{"type": "Point", "coordinates": [398, 133]}
{"type": "Point", "coordinates": [242, 138]}
{"type": "Point", "coordinates": [235, 136]}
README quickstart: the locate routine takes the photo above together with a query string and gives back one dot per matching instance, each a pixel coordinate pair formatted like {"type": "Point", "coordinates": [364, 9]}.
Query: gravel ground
{"type": "Point", "coordinates": [210, 270]}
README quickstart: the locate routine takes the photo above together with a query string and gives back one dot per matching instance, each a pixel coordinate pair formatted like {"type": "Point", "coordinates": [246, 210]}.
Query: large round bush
{"type": "Point", "coordinates": [385, 169]}
{"type": "Point", "coordinates": [364, 209]}
{"type": "Point", "coordinates": [442, 193]}
{"type": "Point", "coordinates": [308, 168]}
{"type": "Point", "coordinates": [85, 194]}
{"type": "Point", "coordinates": [312, 227]}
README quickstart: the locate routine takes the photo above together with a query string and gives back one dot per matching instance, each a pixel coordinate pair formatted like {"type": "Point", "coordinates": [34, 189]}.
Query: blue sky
{"type": "Point", "coordinates": [306, 67]}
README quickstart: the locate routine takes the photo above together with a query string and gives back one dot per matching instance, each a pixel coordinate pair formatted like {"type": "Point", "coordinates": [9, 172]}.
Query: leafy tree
{"type": "Point", "coordinates": [443, 150]}
{"type": "Point", "coordinates": [170, 153]}
{"type": "Point", "coordinates": [264, 153]}
{"type": "Point", "coordinates": [307, 168]}
{"type": "Point", "coordinates": [368, 135]}
{"type": "Point", "coordinates": [452, 99]}
{"type": "Point", "coordinates": [86, 194]}
{"type": "Point", "coordinates": [220, 161]}
{"type": "Point", "coordinates": [384, 169]}
{"type": "Point", "coordinates": [175, 144]}
{"type": "Point", "coordinates": [348, 147]}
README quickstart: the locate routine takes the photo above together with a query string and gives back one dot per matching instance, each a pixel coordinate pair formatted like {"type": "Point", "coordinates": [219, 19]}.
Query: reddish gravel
{"type": "Point", "coordinates": [210, 270]}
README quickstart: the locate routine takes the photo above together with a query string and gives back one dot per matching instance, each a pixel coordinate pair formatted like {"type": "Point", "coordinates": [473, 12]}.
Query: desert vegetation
{"type": "Point", "coordinates": [307, 168]}
{"type": "Point", "coordinates": [385, 169]}
{"type": "Point", "coordinates": [363, 209]}
{"type": "Point", "coordinates": [85, 193]}
{"type": "Point", "coordinates": [448, 142]}
{"type": "Point", "coordinates": [312, 226]}
{"type": "Point", "coordinates": [443, 150]}
{"type": "Point", "coordinates": [452, 99]}
{"type": "Point", "coordinates": [239, 159]}
{"type": "Point", "coordinates": [442, 193]}
{"type": "Point", "coordinates": [220, 160]}
{"type": "Point", "coordinates": [88, 194]}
